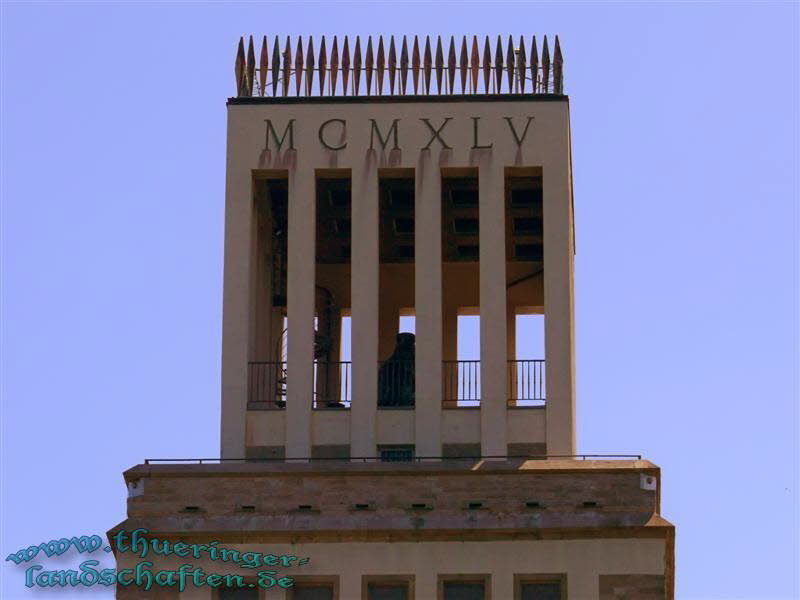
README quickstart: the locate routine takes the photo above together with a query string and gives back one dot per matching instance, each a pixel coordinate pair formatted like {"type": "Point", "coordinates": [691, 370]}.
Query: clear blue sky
{"type": "Point", "coordinates": [686, 192]}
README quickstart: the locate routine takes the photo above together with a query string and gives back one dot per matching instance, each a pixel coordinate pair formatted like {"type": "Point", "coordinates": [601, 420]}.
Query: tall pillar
{"type": "Point", "coordinates": [365, 208]}
{"type": "Point", "coordinates": [428, 305]}
{"type": "Point", "coordinates": [494, 366]}
{"type": "Point", "coordinates": [559, 302]}
{"type": "Point", "coordinates": [236, 303]}
{"type": "Point", "coordinates": [301, 300]}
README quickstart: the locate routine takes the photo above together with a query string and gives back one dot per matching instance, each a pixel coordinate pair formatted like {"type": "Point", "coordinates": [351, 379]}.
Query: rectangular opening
{"type": "Point", "coordinates": [403, 453]}
{"type": "Point", "coordinates": [269, 278]}
{"type": "Point", "coordinates": [460, 222]}
{"type": "Point", "coordinates": [388, 588]}
{"type": "Point", "coordinates": [462, 384]}
{"type": "Point", "coordinates": [312, 590]}
{"type": "Point", "coordinates": [464, 589]}
{"type": "Point", "coordinates": [540, 587]}
{"type": "Point", "coordinates": [230, 593]}
{"type": "Point", "coordinates": [332, 288]}
{"type": "Point", "coordinates": [525, 286]}
{"type": "Point", "coordinates": [396, 344]}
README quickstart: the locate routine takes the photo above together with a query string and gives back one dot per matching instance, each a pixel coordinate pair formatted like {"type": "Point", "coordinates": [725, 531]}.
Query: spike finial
{"type": "Point", "coordinates": [238, 68]}
{"type": "Point", "coordinates": [263, 64]}
{"type": "Point", "coordinates": [403, 66]}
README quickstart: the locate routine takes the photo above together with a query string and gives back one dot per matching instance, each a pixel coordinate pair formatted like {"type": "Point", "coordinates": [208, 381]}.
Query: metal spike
{"type": "Point", "coordinates": [323, 64]}
{"type": "Point", "coordinates": [310, 66]}
{"type": "Point", "coordinates": [392, 66]}
{"type": "Point", "coordinates": [545, 67]}
{"type": "Point", "coordinates": [381, 65]}
{"type": "Point", "coordinates": [475, 66]}
{"type": "Point", "coordinates": [403, 67]}
{"type": "Point", "coordinates": [415, 64]}
{"type": "Point", "coordinates": [521, 64]}
{"type": "Point", "coordinates": [369, 65]}
{"type": "Point", "coordinates": [334, 65]}
{"type": "Point", "coordinates": [298, 66]}
{"type": "Point", "coordinates": [439, 65]}
{"type": "Point", "coordinates": [345, 65]}
{"type": "Point", "coordinates": [558, 69]}
{"type": "Point", "coordinates": [357, 66]}
{"type": "Point", "coordinates": [263, 65]}
{"type": "Point", "coordinates": [238, 67]}
{"type": "Point", "coordinates": [251, 67]}
{"type": "Point", "coordinates": [451, 65]}
{"type": "Point", "coordinates": [498, 65]}
{"type": "Point", "coordinates": [426, 65]}
{"type": "Point", "coordinates": [534, 66]}
{"type": "Point", "coordinates": [487, 65]}
{"type": "Point", "coordinates": [463, 64]}
{"type": "Point", "coordinates": [287, 65]}
{"type": "Point", "coordinates": [510, 64]}
{"type": "Point", "coordinates": [276, 65]}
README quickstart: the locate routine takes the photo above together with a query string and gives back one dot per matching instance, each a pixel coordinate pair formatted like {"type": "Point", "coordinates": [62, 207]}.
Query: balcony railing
{"type": "Point", "coordinates": [266, 384]}
{"type": "Point", "coordinates": [462, 383]}
{"type": "Point", "coordinates": [461, 386]}
{"type": "Point", "coordinates": [526, 383]}
{"type": "Point", "coordinates": [332, 384]}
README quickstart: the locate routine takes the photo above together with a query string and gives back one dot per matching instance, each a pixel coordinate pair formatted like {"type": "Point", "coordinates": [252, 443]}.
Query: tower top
{"type": "Point", "coordinates": [398, 68]}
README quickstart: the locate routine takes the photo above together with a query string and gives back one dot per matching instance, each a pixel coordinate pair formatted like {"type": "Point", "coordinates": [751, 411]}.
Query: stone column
{"type": "Point", "coordinates": [428, 305]}
{"type": "Point", "coordinates": [301, 300]}
{"type": "Point", "coordinates": [364, 257]}
{"type": "Point", "coordinates": [494, 367]}
{"type": "Point", "coordinates": [236, 302]}
{"type": "Point", "coordinates": [559, 301]}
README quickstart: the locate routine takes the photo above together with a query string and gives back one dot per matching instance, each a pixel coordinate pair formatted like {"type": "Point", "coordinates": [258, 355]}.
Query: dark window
{"type": "Point", "coordinates": [541, 590]}
{"type": "Point", "coordinates": [525, 198]}
{"type": "Point", "coordinates": [402, 198]}
{"type": "Point", "coordinates": [397, 454]}
{"type": "Point", "coordinates": [527, 225]}
{"type": "Point", "coordinates": [342, 226]}
{"type": "Point", "coordinates": [387, 591]}
{"type": "Point", "coordinates": [238, 593]}
{"type": "Point", "coordinates": [312, 591]}
{"type": "Point", "coordinates": [465, 226]}
{"type": "Point", "coordinates": [529, 251]}
{"type": "Point", "coordinates": [405, 251]}
{"type": "Point", "coordinates": [461, 198]}
{"type": "Point", "coordinates": [468, 252]}
{"type": "Point", "coordinates": [464, 590]}
{"type": "Point", "coordinates": [339, 198]}
{"type": "Point", "coordinates": [404, 226]}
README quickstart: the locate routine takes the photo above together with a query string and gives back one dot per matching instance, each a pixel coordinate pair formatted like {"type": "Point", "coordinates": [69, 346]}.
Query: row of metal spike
{"type": "Point", "coordinates": [273, 74]}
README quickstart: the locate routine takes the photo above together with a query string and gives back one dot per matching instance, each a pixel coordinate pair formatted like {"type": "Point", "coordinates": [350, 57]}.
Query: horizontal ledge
{"type": "Point", "coordinates": [423, 99]}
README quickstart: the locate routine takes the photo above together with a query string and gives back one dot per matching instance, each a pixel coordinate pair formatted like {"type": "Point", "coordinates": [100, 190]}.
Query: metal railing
{"type": "Point", "coordinates": [462, 383]}
{"type": "Point", "coordinates": [332, 384]}
{"type": "Point", "coordinates": [482, 68]}
{"type": "Point", "coordinates": [461, 386]}
{"type": "Point", "coordinates": [526, 384]}
{"type": "Point", "coordinates": [266, 383]}
{"type": "Point", "coordinates": [419, 459]}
